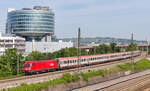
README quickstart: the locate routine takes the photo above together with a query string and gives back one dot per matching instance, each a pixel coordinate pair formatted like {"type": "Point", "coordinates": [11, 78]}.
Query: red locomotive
{"type": "Point", "coordinates": [70, 62]}
{"type": "Point", "coordinates": [39, 66]}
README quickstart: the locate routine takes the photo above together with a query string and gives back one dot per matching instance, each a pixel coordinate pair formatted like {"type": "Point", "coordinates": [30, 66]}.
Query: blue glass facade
{"type": "Point", "coordinates": [28, 22]}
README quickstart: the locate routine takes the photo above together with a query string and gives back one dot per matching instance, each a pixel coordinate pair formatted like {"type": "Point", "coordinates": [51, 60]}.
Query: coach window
{"type": "Point", "coordinates": [105, 57]}
{"type": "Point", "coordinates": [74, 61]}
{"type": "Point", "coordinates": [71, 61]}
{"type": "Point", "coordinates": [82, 60]}
{"type": "Point", "coordinates": [89, 59]}
{"type": "Point", "coordinates": [61, 62]}
{"type": "Point", "coordinates": [64, 62]}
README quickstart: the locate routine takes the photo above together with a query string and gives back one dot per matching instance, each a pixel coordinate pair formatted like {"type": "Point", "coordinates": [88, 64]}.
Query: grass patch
{"type": "Point", "coordinates": [100, 72]}
{"type": "Point", "coordinates": [67, 77]}
{"type": "Point", "coordinates": [126, 66]}
{"type": "Point", "coordinates": [142, 64]}
{"type": "Point", "coordinates": [10, 76]}
{"type": "Point", "coordinates": [139, 65]}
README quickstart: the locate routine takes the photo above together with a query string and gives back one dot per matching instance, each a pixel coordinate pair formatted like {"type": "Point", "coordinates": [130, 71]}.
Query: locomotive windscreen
{"type": "Point", "coordinates": [27, 65]}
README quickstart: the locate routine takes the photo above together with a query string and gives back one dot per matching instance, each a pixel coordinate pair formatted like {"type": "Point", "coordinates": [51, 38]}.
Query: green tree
{"type": "Point", "coordinates": [73, 51]}
{"type": "Point", "coordinates": [66, 52]}
{"type": "Point", "coordinates": [132, 47]}
{"type": "Point", "coordinates": [9, 61]}
{"type": "Point", "coordinates": [48, 56]}
{"type": "Point", "coordinates": [84, 52]}
{"type": "Point", "coordinates": [92, 51]}
{"type": "Point", "coordinates": [148, 49]}
{"type": "Point", "coordinates": [104, 49]}
{"type": "Point", "coordinates": [35, 56]}
{"type": "Point", "coordinates": [113, 47]}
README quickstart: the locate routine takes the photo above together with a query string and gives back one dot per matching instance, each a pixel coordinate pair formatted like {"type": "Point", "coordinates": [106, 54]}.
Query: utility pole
{"type": "Point", "coordinates": [132, 52]}
{"type": "Point", "coordinates": [147, 46]}
{"type": "Point", "coordinates": [94, 50]}
{"type": "Point", "coordinates": [131, 37]}
{"type": "Point", "coordinates": [18, 66]}
{"type": "Point", "coordinates": [79, 51]}
{"type": "Point", "coordinates": [33, 42]}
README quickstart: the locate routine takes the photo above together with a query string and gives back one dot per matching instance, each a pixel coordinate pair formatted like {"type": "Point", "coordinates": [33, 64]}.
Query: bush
{"type": "Point", "coordinates": [142, 64]}
{"type": "Point", "coordinates": [67, 77]}
{"type": "Point", "coordinates": [126, 66]}
{"type": "Point", "coordinates": [93, 73]}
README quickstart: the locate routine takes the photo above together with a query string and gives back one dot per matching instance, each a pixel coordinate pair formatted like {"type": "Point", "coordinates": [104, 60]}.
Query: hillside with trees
{"type": "Point", "coordinates": [101, 40]}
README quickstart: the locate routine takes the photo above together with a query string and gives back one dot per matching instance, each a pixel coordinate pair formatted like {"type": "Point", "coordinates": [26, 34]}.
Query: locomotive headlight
{"type": "Point", "coordinates": [51, 64]}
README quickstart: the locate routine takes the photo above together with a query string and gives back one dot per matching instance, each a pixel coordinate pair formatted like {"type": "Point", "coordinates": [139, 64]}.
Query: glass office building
{"type": "Point", "coordinates": [37, 23]}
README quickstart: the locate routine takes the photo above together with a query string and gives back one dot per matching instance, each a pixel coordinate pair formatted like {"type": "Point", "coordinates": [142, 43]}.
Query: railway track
{"type": "Point", "coordinates": [131, 84]}
{"type": "Point", "coordinates": [13, 82]}
{"type": "Point", "coordinates": [124, 83]}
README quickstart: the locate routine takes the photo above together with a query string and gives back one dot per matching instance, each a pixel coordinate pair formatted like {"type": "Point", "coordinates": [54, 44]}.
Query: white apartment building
{"type": "Point", "coordinates": [11, 42]}
{"type": "Point", "coordinates": [45, 47]}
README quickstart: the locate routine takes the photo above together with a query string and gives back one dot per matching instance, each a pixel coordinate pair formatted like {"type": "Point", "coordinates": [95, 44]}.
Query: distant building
{"type": "Point", "coordinates": [11, 42]}
{"type": "Point", "coordinates": [32, 24]}
{"type": "Point", "coordinates": [46, 47]}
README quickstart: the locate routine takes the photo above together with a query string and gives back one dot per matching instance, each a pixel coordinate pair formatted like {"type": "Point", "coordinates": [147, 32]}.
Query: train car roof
{"type": "Point", "coordinates": [40, 61]}
{"type": "Point", "coordinates": [70, 58]}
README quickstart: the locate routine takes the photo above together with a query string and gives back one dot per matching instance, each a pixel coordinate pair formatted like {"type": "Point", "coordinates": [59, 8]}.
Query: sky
{"type": "Point", "coordinates": [96, 18]}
